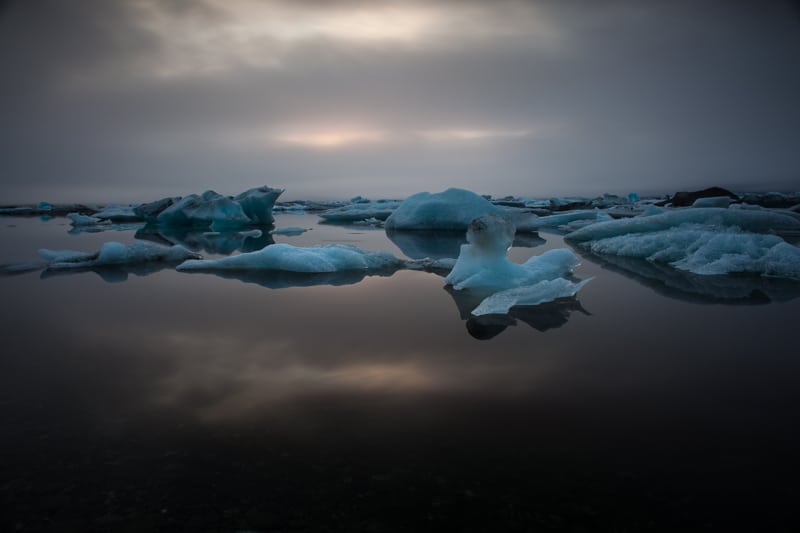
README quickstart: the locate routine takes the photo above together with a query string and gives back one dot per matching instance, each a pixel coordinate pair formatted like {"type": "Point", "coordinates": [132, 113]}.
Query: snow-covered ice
{"type": "Point", "coordinates": [705, 241]}
{"type": "Point", "coordinates": [289, 231]}
{"type": "Point", "coordinates": [758, 221]}
{"type": "Point", "coordinates": [212, 210]}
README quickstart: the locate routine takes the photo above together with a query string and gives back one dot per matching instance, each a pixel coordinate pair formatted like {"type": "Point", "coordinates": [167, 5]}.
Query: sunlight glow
{"type": "Point", "coordinates": [215, 36]}
{"type": "Point", "coordinates": [331, 139]}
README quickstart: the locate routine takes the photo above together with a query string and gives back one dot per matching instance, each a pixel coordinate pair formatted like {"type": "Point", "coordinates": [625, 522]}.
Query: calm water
{"type": "Point", "coordinates": [175, 401]}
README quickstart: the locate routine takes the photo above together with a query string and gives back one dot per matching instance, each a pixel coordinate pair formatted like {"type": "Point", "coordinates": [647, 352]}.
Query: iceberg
{"type": "Point", "coordinates": [483, 266]}
{"type": "Point", "coordinates": [452, 209]}
{"type": "Point", "coordinates": [212, 210]}
{"type": "Point", "coordinates": [704, 241]}
{"type": "Point", "coordinates": [311, 260]}
{"type": "Point", "coordinates": [257, 204]}
{"type": "Point", "coordinates": [80, 220]}
{"type": "Point", "coordinates": [118, 213]}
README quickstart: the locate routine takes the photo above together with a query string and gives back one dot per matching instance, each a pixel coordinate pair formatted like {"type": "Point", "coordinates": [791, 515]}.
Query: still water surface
{"type": "Point", "coordinates": [174, 401]}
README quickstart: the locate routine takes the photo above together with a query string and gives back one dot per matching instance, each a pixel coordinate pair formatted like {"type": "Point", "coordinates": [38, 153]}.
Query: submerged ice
{"type": "Point", "coordinates": [483, 266]}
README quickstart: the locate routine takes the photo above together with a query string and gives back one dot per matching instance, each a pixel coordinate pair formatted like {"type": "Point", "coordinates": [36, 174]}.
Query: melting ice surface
{"type": "Point", "coordinates": [704, 241]}
{"type": "Point", "coordinates": [483, 265]}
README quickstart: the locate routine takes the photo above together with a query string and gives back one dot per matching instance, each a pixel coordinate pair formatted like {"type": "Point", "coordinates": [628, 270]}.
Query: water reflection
{"type": "Point", "coordinates": [99, 228]}
{"type": "Point", "coordinates": [444, 244]}
{"type": "Point", "coordinates": [542, 317]}
{"type": "Point", "coordinates": [212, 242]}
{"type": "Point", "coordinates": [282, 279]}
{"type": "Point", "coordinates": [114, 273]}
{"type": "Point", "coordinates": [682, 285]}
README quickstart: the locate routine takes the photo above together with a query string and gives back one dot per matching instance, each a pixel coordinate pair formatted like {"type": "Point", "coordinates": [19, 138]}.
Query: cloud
{"type": "Point", "coordinates": [220, 36]}
{"type": "Point", "coordinates": [137, 98]}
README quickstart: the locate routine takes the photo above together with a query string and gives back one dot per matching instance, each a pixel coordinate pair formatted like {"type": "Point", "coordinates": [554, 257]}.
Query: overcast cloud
{"type": "Point", "coordinates": [133, 100]}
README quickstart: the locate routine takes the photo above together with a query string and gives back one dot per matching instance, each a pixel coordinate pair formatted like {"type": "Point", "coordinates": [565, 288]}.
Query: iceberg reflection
{"type": "Point", "coordinates": [212, 242]}
{"type": "Point", "coordinates": [542, 317]}
{"type": "Point", "coordinates": [686, 286]}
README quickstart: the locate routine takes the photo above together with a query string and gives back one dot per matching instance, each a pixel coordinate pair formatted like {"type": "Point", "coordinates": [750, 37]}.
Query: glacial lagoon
{"type": "Point", "coordinates": [147, 399]}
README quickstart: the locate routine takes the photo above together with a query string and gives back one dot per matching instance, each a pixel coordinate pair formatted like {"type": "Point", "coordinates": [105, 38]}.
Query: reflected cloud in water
{"type": "Point", "coordinates": [690, 287]}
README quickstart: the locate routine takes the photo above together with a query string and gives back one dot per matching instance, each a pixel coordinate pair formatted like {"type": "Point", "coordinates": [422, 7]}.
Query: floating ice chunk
{"type": "Point", "coordinates": [210, 209]}
{"type": "Point", "coordinates": [314, 259]}
{"type": "Point", "coordinates": [452, 209]}
{"type": "Point", "coordinates": [115, 253]}
{"type": "Point", "coordinates": [483, 264]}
{"type": "Point", "coordinates": [361, 210]}
{"type": "Point", "coordinates": [762, 221]}
{"type": "Point", "coordinates": [712, 201]}
{"type": "Point", "coordinates": [707, 250]}
{"type": "Point", "coordinates": [118, 213]}
{"type": "Point", "coordinates": [538, 293]}
{"type": "Point", "coordinates": [85, 220]}
{"type": "Point", "coordinates": [290, 231]}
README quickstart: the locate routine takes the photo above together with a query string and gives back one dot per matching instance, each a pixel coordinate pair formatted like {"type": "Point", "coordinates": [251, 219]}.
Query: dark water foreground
{"type": "Point", "coordinates": [190, 402]}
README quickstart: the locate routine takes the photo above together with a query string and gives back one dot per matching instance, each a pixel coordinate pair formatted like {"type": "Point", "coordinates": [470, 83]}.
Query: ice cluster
{"type": "Point", "coordinates": [701, 240]}
{"type": "Point", "coordinates": [483, 266]}
{"type": "Point", "coordinates": [452, 209]}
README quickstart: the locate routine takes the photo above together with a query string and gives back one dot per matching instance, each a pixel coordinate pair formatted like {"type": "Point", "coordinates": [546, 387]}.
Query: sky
{"type": "Point", "coordinates": [134, 100]}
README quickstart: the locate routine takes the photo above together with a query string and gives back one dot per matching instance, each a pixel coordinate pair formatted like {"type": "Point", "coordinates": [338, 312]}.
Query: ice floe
{"type": "Point", "coordinates": [483, 266]}
{"type": "Point", "coordinates": [704, 241]}
{"type": "Point", "coordinates": [452, 209]}
{"type": "Point", "coordinates": [212, 210]}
